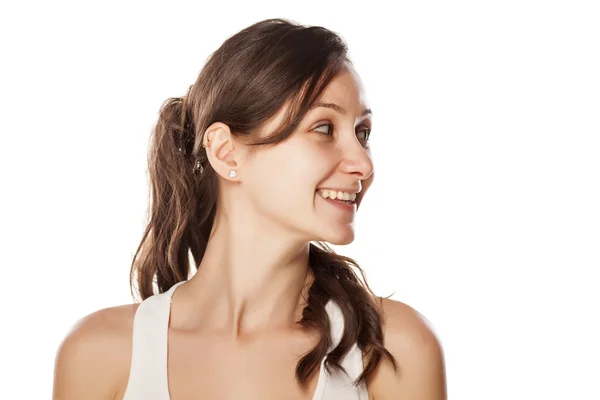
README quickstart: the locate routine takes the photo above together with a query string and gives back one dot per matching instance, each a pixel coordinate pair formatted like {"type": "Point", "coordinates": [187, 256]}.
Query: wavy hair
{"type": "Point", "coordinates": [244, 83]}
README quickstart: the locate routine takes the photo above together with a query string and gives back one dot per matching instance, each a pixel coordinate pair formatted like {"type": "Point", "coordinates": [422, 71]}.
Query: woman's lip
{"type": "Point", "coordinates": [339, 204]}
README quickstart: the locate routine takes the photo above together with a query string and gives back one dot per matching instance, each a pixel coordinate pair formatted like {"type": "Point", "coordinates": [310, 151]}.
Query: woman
{"type": "Point", "coordinates": [262, 162]}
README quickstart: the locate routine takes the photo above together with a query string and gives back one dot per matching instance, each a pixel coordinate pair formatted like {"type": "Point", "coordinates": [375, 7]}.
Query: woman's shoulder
{"type": "Point", "coordinates": [409, 336]}
{"type": "Point", "coordinates": [93, 360]}
{"type": "Point", "coordinates": [399, 315]}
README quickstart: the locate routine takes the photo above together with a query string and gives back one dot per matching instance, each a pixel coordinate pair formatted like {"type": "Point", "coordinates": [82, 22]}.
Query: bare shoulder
{"type": "Point", "coordinates": [92, 362]}
{"type": "Point", "coordinates": [409, 337]}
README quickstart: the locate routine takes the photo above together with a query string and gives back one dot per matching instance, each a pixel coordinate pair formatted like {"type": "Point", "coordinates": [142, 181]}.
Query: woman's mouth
{"type": "Point", "coordinates": [345, 198]}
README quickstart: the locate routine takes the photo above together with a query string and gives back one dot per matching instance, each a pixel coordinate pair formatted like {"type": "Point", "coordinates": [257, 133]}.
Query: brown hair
{"type": "Point", "coordinates": [244, 83]}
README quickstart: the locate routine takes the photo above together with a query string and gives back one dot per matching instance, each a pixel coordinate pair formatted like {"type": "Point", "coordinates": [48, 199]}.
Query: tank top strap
{"type": "Point", "coordinates": [148, 371]}
{"type": "Point", "coordinates": [336, 320]}
{"type": "Point", "coordinates": [340, 385]}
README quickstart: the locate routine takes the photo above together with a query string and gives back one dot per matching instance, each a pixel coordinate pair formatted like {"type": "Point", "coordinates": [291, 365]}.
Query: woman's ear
{"type": "Point", "coordinates": [221, 149]}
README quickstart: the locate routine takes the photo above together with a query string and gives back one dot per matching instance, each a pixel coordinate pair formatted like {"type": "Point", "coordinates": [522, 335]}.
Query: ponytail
{"type": "Point", "coordinates": [162, 258]}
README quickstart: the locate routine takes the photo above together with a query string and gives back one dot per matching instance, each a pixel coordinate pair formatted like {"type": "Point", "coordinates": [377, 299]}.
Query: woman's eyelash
{"type": "Point", "coordinates": [368, 130]}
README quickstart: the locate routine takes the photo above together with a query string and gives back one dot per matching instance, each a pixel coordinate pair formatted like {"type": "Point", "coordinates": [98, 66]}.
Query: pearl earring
{"type": "Point", "coordinates": [232, 173]}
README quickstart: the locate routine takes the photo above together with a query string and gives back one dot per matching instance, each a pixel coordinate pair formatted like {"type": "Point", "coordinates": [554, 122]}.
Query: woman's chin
{"type": "Point", "coordinates": [340, 237]}
{"type": "Point", "coordinates": [342, 242]}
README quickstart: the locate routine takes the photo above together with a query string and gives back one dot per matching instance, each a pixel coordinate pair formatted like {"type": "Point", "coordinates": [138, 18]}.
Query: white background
{"type": "Point", "coordinates": [484, 215]}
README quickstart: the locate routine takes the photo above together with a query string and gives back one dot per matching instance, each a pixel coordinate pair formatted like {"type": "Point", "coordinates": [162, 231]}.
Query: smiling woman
{"type": "Point", "coordinates": [245, 178]}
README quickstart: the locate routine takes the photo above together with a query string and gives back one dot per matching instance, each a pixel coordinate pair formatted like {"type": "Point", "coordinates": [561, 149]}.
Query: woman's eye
{"type": "Point", "coordinates": [365, 132]}
{"type": "Point", "coordinates": [329, 130]}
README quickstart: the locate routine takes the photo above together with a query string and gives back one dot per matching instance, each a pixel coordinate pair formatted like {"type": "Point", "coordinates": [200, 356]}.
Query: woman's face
{"type": "Point", "coordinates": [328, 150]}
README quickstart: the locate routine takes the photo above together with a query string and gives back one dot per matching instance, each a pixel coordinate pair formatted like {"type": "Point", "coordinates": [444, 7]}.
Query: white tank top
{"type": "Point", "coordinates": [148, 373]}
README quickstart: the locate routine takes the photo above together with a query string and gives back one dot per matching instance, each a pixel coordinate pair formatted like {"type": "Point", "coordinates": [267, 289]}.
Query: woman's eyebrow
{"type": "Point", "coordinates": [342, 110]}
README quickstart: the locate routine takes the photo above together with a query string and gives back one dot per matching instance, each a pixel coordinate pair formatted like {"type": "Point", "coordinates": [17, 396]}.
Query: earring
{"type": "Point", "coordinates": [232, 173]}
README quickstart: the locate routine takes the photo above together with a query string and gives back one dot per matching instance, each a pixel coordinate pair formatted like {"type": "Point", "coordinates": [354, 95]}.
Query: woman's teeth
{"type": "Point", "coordinates": [337, 195]}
